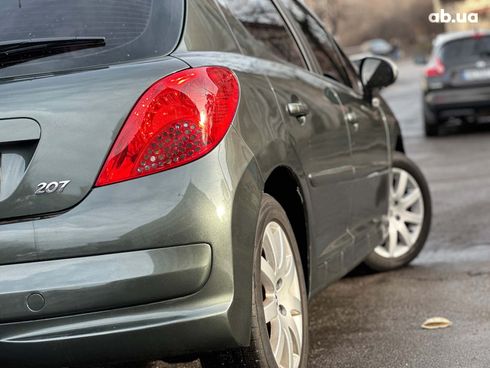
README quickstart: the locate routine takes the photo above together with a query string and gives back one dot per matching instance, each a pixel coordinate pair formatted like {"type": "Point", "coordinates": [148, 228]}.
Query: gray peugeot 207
{"type": "Point", "coordinates": [179, 178]}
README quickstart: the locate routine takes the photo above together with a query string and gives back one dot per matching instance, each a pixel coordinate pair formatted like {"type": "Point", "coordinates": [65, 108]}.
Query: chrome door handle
{"type": "Point", "coordinates": [298, 109]}
{"type": "Point", "coordinates": [352, 118]}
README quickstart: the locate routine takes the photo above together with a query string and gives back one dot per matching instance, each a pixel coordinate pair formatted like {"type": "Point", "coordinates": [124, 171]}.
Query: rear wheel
{"type": "Point", "coordinates": [279, 302]}
{"type": "Point", "coordinates": [410, 213]}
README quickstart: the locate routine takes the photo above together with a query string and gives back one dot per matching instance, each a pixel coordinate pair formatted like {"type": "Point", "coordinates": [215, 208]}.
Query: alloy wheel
{"type": "Point", "coordinates": [281, 293]}
{"type": "Point", "coordinates": [406, 215]}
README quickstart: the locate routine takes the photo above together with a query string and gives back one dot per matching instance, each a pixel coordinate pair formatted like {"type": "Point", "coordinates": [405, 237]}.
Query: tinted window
{"type": "Point", "coordinates": [467, 50]}
{"type": "Point", "coordinates": [349, 69]}
{"type": "Point", "coordinates": [319, 41]}
{"type": "Point", "coordinates": [133, 29]}
{"type": "Point", "coordinates": [263, 21]}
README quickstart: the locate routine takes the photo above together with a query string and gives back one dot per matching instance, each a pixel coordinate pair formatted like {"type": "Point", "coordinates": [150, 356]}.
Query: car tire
{"type": "Point", "coordinates": [431, 130]}
{"type": "Point", "coordinates": [398, 251]}
{"type": "Point", "coordinates": [431, 123]}
{"type": "Point", "coordinates": [272, 223]}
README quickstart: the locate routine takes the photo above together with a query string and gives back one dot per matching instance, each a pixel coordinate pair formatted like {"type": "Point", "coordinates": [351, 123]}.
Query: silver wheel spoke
{"type": "Point", "coordinates": [289, 274]}
{"type": "Point", "coordinates": [269, 249]}
{"type": "Point", "coordinates": [277, 340]}
{"type": "Point", "coordinates": [270, 309]}
{"type": "Point", "coordinates": [282, 241]}
{"type": "Point", "coordinates": [289, 348]}
{"type": "Point", "coordinates": [404, 233]}
{"type": "Point", "coordinates": [293, 329]}
{"type": "Point", "coordinates": [406, 215]}
{"type": "Point", "coordinates": [268, 276]}
{"type": "Point", "coordinates": [392, 239]}
{"type": "Point", "coordinates": [411, 198]}
{"type": "Point", "coordinates": [402, 185]}
{"type": "Point", "coordinates": [293, 305]}
{"type": "Point", "coordinates": [296, 360]}
{"type": "Point", "coordinates": [411, 218]}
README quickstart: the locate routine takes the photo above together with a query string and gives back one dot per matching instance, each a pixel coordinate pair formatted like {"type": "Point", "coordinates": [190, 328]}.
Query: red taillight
{"type": "Point", "coordinates": [436, 69]}
{"type": "Point", "coordinates": [177, 120]}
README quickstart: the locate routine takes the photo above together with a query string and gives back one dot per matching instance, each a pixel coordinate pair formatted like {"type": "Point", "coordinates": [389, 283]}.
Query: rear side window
{"type": "Point", "coordinates": [266, 25]}
{"type": "Point", "coordinates": [466, 50]}
{"type": "Point", "coordinates": [133, 29]}
{"type": "Point", "coordinates": [319, 41]}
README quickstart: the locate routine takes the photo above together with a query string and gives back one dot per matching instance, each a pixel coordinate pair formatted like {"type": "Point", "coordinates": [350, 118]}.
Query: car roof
{"type": "Point", "coordinates": [444, 38]}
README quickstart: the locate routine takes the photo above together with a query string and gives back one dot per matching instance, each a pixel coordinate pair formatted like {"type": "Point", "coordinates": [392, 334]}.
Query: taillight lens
{"type": "Point", "coordinates": [177, 120]}
{"type": "Point", "coordinates": [436, 69]}
{"type": "Point", "coordinates": [477, 35]}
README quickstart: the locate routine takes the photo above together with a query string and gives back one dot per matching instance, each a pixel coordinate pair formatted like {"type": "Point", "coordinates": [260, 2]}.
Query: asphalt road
{"type": "Point", "coordinates": [374, 320]}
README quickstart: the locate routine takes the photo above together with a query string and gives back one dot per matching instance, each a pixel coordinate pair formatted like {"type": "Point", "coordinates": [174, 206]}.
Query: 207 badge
{"type": "Point", "coordinates": [52, 187]}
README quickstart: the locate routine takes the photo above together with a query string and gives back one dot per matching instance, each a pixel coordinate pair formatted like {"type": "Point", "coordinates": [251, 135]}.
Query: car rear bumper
{"type": "Point", "coordinates": [86, 284]}
{"type": "Point", "coordinates": [145, 269]}
{"type": "Point", "coordinates": [139, 333]}
{"type": "Point", "coordinates": [458, 102]}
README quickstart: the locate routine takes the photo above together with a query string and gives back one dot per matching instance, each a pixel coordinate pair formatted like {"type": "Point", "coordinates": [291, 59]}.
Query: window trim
{"type": "Point", "coordinates": [245, 51]}
{"type": "Point", "coordinates": [358, 91]}
{"type": "Point", "coordinates": [291, 32]}
{"type": "Point", "coordinates": [312, 63]}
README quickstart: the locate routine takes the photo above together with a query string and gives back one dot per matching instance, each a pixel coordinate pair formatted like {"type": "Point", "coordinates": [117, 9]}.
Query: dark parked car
{"type": "Point", "coordinates": [457, 80]}
{"type": "Point", "coordinates": [178, 178]}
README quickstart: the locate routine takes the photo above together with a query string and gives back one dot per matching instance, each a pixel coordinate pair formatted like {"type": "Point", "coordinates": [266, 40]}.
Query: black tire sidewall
{"type": "Point", "coordinates": [431, 123]}
{"type": "Point", "coordinates": [272, 211]}
{"type": "Point", "coordinates": [379, 263]}
{"type": "Point", "coordinates": [431, 130]}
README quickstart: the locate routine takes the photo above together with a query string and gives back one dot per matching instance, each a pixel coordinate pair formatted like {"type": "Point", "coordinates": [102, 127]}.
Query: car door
{"type": "Point", "coordinates": [365, 128]}
{"type": "Point", "coordinates": [316, 131]}
{"type": "Point", "coordinates": [371, 156]}
{"type": "Point", "coordinates": [315, 121]}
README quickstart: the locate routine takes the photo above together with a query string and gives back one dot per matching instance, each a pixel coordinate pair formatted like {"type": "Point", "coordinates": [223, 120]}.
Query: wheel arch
{"type": "Point", "coordinates": [285, 187]}
{"type": "Point", "coordinates": [399, 146]}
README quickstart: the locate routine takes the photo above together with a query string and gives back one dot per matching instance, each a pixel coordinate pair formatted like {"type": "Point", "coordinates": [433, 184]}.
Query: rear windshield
{"type": "Point", "coordinates": [466, 50]}
{"type": "Point", "coordinates": [133, 29]}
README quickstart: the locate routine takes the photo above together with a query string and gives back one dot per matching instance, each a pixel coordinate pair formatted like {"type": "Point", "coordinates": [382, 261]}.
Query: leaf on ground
{"type": "Point", "coordinates": [436, 323]}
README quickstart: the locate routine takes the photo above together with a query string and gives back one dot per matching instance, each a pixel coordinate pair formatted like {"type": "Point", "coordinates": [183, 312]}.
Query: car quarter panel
{"type": "Point", "coordinates": [322, 141]}
{"type": "Point", "coordinates": [203, 200]}
{"type": "Point", "coordinates": [200, 202]}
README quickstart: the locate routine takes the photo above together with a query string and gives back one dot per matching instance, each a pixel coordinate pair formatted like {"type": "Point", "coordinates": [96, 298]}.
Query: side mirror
{"type": "Point", "coordinates": [357, 59]}
{"type": "Point", "coordinates": [376, 73]}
